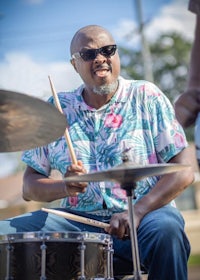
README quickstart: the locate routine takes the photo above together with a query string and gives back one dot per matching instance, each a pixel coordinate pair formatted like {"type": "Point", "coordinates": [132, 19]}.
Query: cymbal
{"type": "Point", "coordinates": [128, 173]}
{"type": "Point", "coordinates": [27, 122]}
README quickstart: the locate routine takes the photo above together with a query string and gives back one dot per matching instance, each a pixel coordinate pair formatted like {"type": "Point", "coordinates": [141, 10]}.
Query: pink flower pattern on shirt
{"type": "Point", "coordinates": [113, 120]}
{"type": "Point", "coordinates": [138, 119]}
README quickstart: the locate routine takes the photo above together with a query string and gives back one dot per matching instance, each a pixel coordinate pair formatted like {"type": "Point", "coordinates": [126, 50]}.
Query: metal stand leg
{"type": "Point", "coordinates": [133, 234]}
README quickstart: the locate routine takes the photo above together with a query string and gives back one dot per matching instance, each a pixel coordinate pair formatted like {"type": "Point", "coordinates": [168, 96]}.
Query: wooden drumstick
{"type": "Point", "coordinates": [67, 136]}
{"type": "Point", "coordinates": [77, 218]}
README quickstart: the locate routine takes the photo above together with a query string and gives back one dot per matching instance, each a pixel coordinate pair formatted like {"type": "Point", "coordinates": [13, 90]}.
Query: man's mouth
{"type": "Point", "coordinates": [101, 72]}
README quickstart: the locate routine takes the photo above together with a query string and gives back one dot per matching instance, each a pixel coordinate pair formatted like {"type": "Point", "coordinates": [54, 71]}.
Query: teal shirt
{"type": "Point", "coordinates": [138, 119]}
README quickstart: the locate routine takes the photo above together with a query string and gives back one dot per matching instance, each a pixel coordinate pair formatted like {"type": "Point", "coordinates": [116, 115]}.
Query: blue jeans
{"type": "Point", "coordinates": [163, 246]}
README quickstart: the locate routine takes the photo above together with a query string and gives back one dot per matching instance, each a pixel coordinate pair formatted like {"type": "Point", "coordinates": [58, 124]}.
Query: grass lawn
{"type": "Point", "coordinates": [194, 260]}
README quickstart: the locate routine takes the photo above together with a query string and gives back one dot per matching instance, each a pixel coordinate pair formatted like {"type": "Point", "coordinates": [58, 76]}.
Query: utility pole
{"type": "Point", "coordinates": [147, 62]}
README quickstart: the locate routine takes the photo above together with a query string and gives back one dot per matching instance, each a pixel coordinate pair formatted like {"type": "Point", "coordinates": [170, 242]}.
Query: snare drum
{"type": "Point", "coordinates": [56, 256]}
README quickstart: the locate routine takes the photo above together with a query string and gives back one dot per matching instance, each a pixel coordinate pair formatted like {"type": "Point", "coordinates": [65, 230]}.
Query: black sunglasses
{"type": "Point", "coordinates": [91, 54]}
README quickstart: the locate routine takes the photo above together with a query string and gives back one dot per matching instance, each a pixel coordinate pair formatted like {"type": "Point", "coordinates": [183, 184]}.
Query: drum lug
{"type": "Point", "coordinates": [43, 248]}
{"type": "Point", "coordinates": [9, 249]}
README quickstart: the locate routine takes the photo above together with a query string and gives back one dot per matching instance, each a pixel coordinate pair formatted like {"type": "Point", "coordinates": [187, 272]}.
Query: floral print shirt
{"type": "Point", "coordinates": [138, 120]}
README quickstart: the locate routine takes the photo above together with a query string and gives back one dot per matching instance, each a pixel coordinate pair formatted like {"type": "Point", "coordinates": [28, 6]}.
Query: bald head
{"type": "Point", "coordinates": [87, 35]}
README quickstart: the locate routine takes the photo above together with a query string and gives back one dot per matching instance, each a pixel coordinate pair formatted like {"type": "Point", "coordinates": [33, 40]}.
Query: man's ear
{"type": "Point", "coordinates": [73, 64]}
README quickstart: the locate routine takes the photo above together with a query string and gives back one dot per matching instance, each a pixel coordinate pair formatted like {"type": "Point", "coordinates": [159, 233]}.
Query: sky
{"type": "Point", "coordinates": [35, 38]}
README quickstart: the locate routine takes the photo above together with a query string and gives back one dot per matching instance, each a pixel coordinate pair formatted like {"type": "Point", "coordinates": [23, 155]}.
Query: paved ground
{"type": "Point", "coordinates": [194, 273]}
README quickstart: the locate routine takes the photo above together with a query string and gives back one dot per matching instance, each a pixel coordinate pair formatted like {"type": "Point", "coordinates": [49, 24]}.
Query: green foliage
{"type": "Point", "coordinates": [170, 56]}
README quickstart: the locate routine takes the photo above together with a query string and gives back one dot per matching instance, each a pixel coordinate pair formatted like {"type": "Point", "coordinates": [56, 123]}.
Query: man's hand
{"type": "Point", "coordinates": [120, 226]}
{"type": "Point", "coordinates": [73, 188]}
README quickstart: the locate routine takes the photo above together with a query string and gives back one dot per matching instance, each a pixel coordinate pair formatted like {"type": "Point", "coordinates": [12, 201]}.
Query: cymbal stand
{"type": "Point", "coordinates": [129, 187]}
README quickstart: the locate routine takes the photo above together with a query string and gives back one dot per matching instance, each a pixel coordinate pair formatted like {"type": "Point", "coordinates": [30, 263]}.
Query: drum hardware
{"type": "Point", "coordinates": [9, 249]}
{"type": "Point", "coordinates": [26, 122]}
{"type": "Point", "coordinates": [127, 174]}
{"type": "Point", "coordinates": [109, 269]}
{"type": "Point", "coordinates": [82, 248]}
{"type": "Point", "coordinates": [43, 248]}
{"type": "Point", "coordinates": [137, 275]}
{"type": "Point", "coordinates": [56, 256]}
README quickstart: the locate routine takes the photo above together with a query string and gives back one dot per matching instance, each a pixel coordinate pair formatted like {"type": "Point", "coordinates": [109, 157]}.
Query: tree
{"type": "Point", "coordinates": [170, 59]}
{"type": "Point", "coordinates": [170, 55]}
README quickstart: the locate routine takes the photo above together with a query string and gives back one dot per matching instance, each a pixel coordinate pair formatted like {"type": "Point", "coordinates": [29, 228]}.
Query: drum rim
{"type": "Point", "coordinates": [56, 236]}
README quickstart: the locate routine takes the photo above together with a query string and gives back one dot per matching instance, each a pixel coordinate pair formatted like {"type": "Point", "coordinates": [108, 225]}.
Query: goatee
{"type": "Point", "coordinates": [105, 89]}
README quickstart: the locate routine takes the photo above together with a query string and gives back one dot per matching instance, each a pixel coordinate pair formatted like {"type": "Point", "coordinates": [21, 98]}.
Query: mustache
{"type": "Point", "coordinates": [103, 67]}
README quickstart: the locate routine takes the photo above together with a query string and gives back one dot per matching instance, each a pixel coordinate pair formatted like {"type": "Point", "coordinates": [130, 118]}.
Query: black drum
{"type": "Point", "coordinates": [55, 256]}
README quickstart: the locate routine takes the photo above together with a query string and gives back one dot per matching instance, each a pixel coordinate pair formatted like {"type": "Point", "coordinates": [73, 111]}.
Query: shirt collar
{"type": "Point", "coordinates": [120, 96]}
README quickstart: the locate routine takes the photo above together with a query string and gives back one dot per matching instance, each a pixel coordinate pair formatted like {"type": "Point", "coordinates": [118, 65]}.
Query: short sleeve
{"type": "Point", "coordinates": [38, 159]}
{"type": "Point", "coordinates": [168, 135]}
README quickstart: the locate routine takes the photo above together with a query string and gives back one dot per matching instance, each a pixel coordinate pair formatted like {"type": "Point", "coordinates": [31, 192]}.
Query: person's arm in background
{"type": "Point", "coordinates": [194, 69]}
{"type": "Point", "coordinates": [187, 106]}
